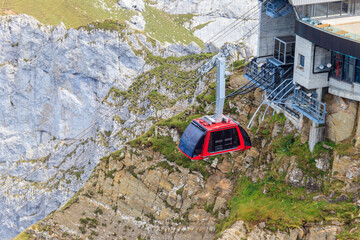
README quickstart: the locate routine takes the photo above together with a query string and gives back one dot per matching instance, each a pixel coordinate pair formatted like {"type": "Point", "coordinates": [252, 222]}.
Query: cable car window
{"type": "Point", "coordinates": [236, 140]}
{"type": "Point", "coordinates": [192, 140]}
{"type": "Point", "coordinates": [223, 140]}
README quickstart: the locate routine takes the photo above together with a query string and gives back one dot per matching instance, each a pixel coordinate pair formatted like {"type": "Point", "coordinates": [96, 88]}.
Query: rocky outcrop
{"type": "Point", "coordinates": [137, 5]}
{"type": "Point", "coordinates": [215, 22]}
{"type": "Point", "coordinates": [54, 123]}
{"type": "Point", "coordinates": [239, 230]}
{"type": "Point", "coordinates": [341, 112]}
{"type": "Point", "coordinates": [139, 193]}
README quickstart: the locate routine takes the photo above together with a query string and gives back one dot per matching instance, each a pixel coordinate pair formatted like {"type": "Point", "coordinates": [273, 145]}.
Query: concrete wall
{"type": "Point", "coordinates": [344, 89]}
{"type": "Point", "coordinates": [270, 28]}
{"type": "Point", "coordinates": [304, 75]}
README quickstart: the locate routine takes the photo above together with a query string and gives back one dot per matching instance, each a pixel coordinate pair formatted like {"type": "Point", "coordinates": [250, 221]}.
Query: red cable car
{"type": "Point", "coordinates": [204, 138]}
{"type": "Point", "coordinates": [208, 136]}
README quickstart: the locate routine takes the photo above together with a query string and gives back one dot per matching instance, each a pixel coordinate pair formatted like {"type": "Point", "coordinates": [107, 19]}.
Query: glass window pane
{"type": "Point", "coordinates": [216, 142]}
{"type": "Point", "coordinates": [321, 10]}
{"type": "Point", "coordinates": [337, 66]}
{"type": "Point", "coordinates": [357, 71]}
{"type": "Point", "coordinates": [228, 143]}
{"type": "Point", "coordinates": [334, 9]}
{"type": "Point", "coordinates": [191, 140]}
{"type": "Point", "coordinates": [347, 7]}
{"type": "Point", "coordinates": [236, 140]}
{"type": "Point", "coordinates": [357, 7]}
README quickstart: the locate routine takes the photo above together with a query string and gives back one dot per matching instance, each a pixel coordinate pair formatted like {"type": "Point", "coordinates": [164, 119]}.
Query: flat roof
{"type": "Point", "coordinates": [346, 26]}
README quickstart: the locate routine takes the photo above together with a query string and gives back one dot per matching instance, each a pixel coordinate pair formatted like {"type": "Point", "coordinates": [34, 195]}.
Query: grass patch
{"type": "Point", "coordinates": [166, 146]}
{"type": "Point", "coordinates": [108, 24]}
{"type": "Point", "coordinates": [23, 236]}
{"type": "Point", "coordinates": [172, 31]}
{"type": "Point", "coordinates": [290, 145]}
{"type": "Point", "coordinates": [73, 13]}
{"type": "Point", "coordinates": [278, 117]}
{"type": "Point", "coordinates": [282, 206]}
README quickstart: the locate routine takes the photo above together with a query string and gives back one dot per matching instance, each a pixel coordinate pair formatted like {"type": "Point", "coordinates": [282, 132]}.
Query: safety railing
{"type": "Point", "coordinates": [309, 106]}
{"type": "Point", "coordinates": [262, 76]}
{"type": "Point", "coordinates": [277, 8]}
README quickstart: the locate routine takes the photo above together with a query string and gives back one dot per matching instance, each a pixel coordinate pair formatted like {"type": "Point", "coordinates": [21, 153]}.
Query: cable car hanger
{"type": "Point", "coordinates": [217, 134]}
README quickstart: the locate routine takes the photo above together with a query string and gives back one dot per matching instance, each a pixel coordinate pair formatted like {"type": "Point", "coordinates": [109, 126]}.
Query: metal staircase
{"type": "Point", "coordinates": [277, 8]}
{"type": "Point", "coordinates": [281, 92]}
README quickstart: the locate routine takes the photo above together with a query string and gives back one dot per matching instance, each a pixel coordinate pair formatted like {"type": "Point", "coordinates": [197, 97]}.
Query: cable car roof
{"type": "Point", "coordinates": [216, 126]}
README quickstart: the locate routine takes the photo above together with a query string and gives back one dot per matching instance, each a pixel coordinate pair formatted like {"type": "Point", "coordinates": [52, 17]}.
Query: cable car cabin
{"type": "Point", "coordinates": [202, 138]}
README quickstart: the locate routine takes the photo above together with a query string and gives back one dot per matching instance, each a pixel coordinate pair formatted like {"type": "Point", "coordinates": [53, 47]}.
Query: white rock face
{"type": "Point", "coordinates": [137, 5]}
{"type": "Point", "coordinates": [218, 21]}
{"type": "Point", "coordinates": [52, 85]}
{"type": "Point", "coordinates": [138, 22]}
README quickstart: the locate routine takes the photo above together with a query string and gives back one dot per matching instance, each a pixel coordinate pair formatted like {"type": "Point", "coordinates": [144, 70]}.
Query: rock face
{"type": "Point", "coordinates": [131, 195]}
{"type": "Point", "coordinates": [54, 123]}
{"type": "Point", "coordinates": [137, 5]}
{"type": "Point", "coordinates": [239, 231]}
{"type": "Point", "coordinates": [341, 112]}
{"type": "Point", "coordinates": [211, 19]}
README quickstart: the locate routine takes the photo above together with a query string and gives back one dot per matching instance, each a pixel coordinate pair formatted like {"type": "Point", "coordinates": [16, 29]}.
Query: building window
{"type": "Point", "coordinates": [301, 61]}
{"type": "Point", "coordinates": [345, 68]}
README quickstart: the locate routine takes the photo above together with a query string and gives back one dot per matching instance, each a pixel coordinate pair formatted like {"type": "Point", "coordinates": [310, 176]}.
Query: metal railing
{"type": "Point", "coordinates": [309, 106]}
{"type": "Point", "coordinates": [260, 75]}
{"type": "Point", "coordinates": [277, 8]}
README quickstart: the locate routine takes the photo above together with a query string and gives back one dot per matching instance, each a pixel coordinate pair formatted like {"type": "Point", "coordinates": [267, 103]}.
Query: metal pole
{"type": "Point", "coordinates": [220, 89]}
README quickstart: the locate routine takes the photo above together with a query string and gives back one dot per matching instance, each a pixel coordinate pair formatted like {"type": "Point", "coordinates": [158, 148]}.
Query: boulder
{"type": "Point", "coordinates": [237, 231]}
{"type": "Point", "coordinates": [220, 203]}
{"type": "Point", "coordinates": [321, 233]}
{"type": "Point", "coordinates": [276, 130]}
{"type": "Point", "coordinates": [294, 174]}
{"type": "Point", "coordinates": [340, 120]}
{"type": "Point", "coordinates": [138, 22]}
{"type": "Point", "coordinates": [225, 166]}
{"type": "Point", "coordinates": [345, 168]}
{"type": "Point", "coordinates": [322, 163]}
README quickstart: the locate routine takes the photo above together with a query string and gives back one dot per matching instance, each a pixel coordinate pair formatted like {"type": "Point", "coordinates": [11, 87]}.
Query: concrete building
{"type": "Point", "coordinates": [307, 48]}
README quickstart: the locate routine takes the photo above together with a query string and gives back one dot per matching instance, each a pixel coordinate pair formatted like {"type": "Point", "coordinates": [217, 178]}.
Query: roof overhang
{"type": "Point", "coordinates": [307, 2]}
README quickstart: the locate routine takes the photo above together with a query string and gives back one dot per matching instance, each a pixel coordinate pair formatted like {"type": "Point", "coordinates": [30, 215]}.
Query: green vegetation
{"type": "Point", "coordinates": [170, 32]}
{"type": "Point", "coordinates": [173, 79]}
{"type": "Point", "coordinates": [165, 165]}
{"type": "Point", "coordinates": [108, 24]}
{"type": "Point", "coordinates": [281, 206]}
{"type": "Point", "coordinates": [351, 232]}
{"type": "Point", "coordinates": [237, 65]}
{"type": "Point", "coordinates": [73, 13]}
{"type": "Point", "coordinates": [23, 236]}
{"type": "Point", "coordinates": [181, 19]}
{"type": "Point", "coordinates": [105, 14]}
{"type": "Point", "coordinates": [166, 145]}
{"type": "Point", "coordinates": [290, 145]}
{"type": "Point", "coordinates": [98, 211]}
{"type": "Point", "coordinates": [278, 117]}
{"type": "Point", "coordinates": [201, 26]}
{"type": "Point", "coordinates": [72, 200]}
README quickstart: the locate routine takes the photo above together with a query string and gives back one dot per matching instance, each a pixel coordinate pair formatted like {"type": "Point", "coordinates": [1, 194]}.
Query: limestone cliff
{"type": "Point", "coordinates": [276, 190]}
{"type": "Point", "coordinates": [55, 124]}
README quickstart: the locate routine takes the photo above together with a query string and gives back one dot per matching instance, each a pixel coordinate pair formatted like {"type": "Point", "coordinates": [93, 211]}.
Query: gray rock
{"type": "Point", "coordinates": [54, 125]}
{"type": "Point", "coordinates": [294, 174]}
{"type": "Point", "coordinates": [322, 164]}
{"type": "Point", "coordinates": [138, 22]}
{"type": "Point", "coordinates": [137, 5]}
